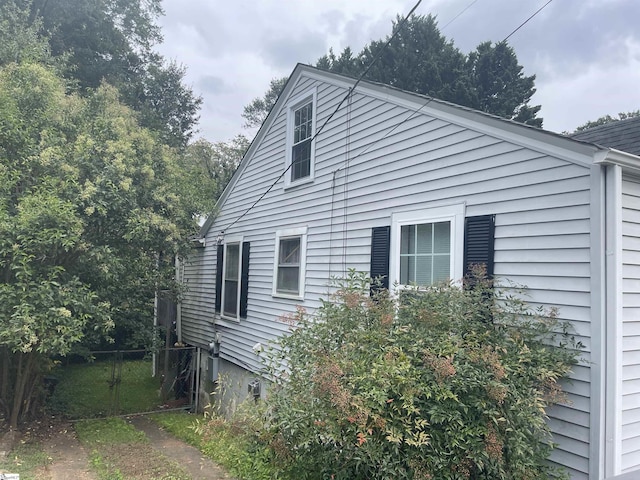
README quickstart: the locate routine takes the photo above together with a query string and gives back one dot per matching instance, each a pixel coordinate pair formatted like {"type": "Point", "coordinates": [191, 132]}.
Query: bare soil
{"type": "Point", "coordinates": [69, 459]}
{"type": "Point", "coordinates": [163, 457]}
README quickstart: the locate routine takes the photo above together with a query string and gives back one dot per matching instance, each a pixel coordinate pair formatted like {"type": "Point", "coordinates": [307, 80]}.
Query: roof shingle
{"type": "Point", "coordinates": [622, 135]}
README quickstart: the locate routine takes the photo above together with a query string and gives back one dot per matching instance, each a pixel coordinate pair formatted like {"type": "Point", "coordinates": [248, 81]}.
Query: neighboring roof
{"type": "Point", "coordinates": [622, 135]}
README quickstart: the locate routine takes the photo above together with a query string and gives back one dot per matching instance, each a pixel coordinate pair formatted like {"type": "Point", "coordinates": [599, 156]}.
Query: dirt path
{"type": "Point", "coordinates": [190, 458]}
{"type": "Point", "coordinates": [70, 460]}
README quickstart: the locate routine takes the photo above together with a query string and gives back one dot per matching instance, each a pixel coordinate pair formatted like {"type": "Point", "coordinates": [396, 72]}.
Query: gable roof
{"type": "Point", "coordinates": [622, 135]}
{"type": "Point", "coordinates": [574, 150]}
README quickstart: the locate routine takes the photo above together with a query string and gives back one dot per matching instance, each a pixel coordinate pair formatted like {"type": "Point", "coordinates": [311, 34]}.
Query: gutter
{"type": "Point", "coordinates": [610, 156]}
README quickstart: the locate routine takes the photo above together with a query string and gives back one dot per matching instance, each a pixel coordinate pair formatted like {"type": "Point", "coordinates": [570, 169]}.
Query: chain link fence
{"type": "Point", "coordinates": [109, 383]}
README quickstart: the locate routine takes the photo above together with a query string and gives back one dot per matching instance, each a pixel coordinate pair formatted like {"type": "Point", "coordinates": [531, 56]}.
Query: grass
{"type": "Point", "coordinates": [215, 437]}
{"type": "Point", "coordinates": [27, 459]}
{"type": "Point", "coordinates": [84, 390]}
{"type": "Point", "coordinates": [121, 452]}
{"type": "Point", "coordinates": [108, 431]}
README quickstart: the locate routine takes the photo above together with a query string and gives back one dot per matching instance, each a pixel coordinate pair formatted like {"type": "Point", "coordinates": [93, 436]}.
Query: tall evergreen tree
{"type": "Point", "coordinates": [420, 59]}
{"type": "Point", "coordinates": [499, 86]}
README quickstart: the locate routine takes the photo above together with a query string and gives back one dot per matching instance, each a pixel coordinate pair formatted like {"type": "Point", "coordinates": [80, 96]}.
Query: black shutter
{"type": "Point", "coordinates": [478, 243]}
{"type": "Point", "coordinates": [380, 243]}
{"type": "Point", "coordinates": [244, 280]}
{"type": "Point", "coordinates": [219, 263]}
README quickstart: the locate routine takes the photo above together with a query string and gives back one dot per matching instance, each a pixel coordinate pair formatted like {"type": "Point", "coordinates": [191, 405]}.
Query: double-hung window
{"type": "Point", "coordinates": [301, 126]}
{"type": "Point", "coordinates": [427, 246]}
{"type": "Point", "coordinates": [289, 264]}
{"type": "Point", "coordinates": [302, 134]}
{"type": "Point", "coordinates": [232, 279]}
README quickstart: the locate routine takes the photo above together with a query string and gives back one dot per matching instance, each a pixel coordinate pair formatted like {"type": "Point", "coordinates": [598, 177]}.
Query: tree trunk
{"type": "Point", "coordinates": [4, 373]}
{"type": "Point", "coordinates": [23, 373]}
{"type": "Point", "coordinates": [5, 359]}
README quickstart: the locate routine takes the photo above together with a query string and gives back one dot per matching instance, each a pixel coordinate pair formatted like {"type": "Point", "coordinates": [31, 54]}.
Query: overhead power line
{"type": "Point", "coordinates": [527, 20]}
{"type": "Point", "coordinates": [456, 17]}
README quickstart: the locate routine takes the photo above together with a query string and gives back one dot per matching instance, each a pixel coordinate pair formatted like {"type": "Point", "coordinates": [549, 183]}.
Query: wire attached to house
{"type": "Point", "coordinates": [349, 93]}
{"type": "Point", "coordinates": [456, 17]}
{"type": "Point", "coordinates": [526, 21]}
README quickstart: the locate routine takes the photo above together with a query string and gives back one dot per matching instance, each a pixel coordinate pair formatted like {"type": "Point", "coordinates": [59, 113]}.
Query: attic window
{"type": "Point", "coordinates": [301, 124]}
{"type": "Point", "coordinates": [301, 150]}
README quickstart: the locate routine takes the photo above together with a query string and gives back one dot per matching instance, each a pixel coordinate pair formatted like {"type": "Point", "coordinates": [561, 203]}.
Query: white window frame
{"type": "Point", "coordinates": [290, 233]}
{"type": "Point", "coordinates": [297, 102]}
{"type": "Point", "coordinates": [232, 240]}
{"type": "Point", "coordinates": [451, 213]}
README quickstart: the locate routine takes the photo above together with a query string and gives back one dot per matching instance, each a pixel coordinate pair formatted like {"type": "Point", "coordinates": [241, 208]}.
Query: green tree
{"type": "Point", "coordinates": [165, 104]}
{"type": "Point", "coordinates": [256, 112]}
{"type": "Point", "coordinates": [607, 119]}
{"type": "Point", "coordinates": [105, 39]}
{"type": "Point", "coordinates": [345, 63]}
{"type": "Point", "coordinates": [45, 308]}
{"type": "Point", "coordinates": [112, 41]}
{"type": "Point", "coordinates": [88, 210]}
{"type": "Point", "coordinates": [20, 38]}
{"type": "Point", "coordinates": [208, 167]}
{"type": "Point", "coordinates": [499, 86]}
{"type": "Point", "coordinates": [420, 59]}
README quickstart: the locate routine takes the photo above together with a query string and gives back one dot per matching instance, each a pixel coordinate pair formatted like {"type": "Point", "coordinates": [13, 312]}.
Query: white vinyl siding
{"type": "Point", "coordinates": [630, 390]}
{"type": "Point", "coordinates": [198, 299]}
{"type": "Point", "coordinates": [395, 160]}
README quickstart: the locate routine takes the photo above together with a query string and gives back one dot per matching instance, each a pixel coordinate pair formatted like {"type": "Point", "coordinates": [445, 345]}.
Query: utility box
{"type": "Point", "coordinates": [213, 367]}
{"type": "Point", "coordinates": [254, 388]}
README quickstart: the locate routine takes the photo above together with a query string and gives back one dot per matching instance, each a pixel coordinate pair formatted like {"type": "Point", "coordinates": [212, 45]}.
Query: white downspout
{"type": "Point", "coordinates": [597, 444]}
{"type": "Point", "coordinates": [613, 328]}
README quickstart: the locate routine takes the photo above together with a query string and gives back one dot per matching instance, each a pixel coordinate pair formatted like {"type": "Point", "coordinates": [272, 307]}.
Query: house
{"type": "Point", "coordinates": [322, 189]}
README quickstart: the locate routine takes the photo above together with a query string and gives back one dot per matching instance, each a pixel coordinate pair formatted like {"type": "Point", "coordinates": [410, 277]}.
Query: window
{"type": "Point", "coordinates": [300, 147]}
{"type": "Point", "coordinates": [425, 253]}
{"type": "Point", "coordinates": [427, 246]}
{"type": "Point", "coordinates": [289, 265]}
{"type": "Point", "coordinates": [301, 152]}
{"type": "Point", "coordinates": [232, 279]}
{"type": "Point", "coordinates": [422, 249]}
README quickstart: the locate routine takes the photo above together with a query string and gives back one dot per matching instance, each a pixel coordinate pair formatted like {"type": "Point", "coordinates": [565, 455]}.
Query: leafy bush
{"type": "Point", "coordinates": [442, 383]}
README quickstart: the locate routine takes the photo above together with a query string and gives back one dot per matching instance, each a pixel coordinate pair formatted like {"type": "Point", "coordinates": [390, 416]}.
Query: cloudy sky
{"type": "Point", "coordinates": [585, 53]}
